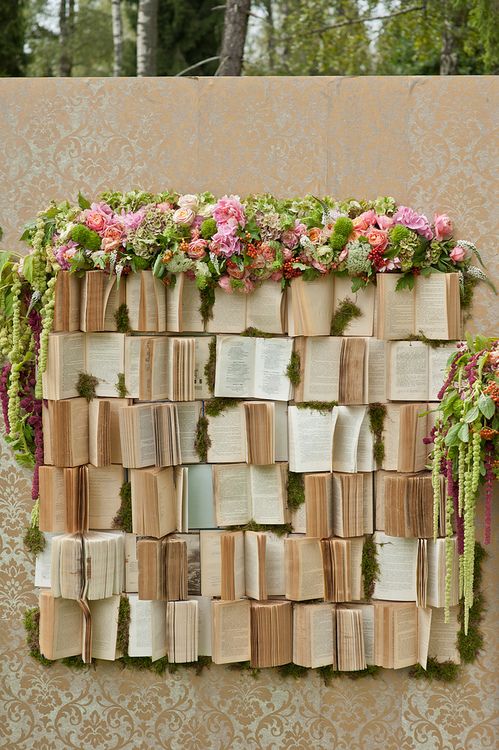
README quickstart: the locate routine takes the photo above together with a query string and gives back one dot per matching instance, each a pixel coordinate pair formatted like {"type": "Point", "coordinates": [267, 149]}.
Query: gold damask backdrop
{"type": "Point", "coordinates": [429, 142]}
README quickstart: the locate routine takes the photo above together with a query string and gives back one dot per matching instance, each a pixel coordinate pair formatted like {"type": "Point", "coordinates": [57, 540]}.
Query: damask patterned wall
{"type": "Point", "coordinates": [429, 142]}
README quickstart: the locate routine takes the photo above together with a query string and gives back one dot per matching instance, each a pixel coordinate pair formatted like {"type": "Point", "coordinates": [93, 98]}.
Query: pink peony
{"type": "Point", "coordinates": [289, 239]}
{"type": "Point", "coordinates": [197, 249]}
{"type": "Point", "coordinates": [412, 220]}
{"type": "Point", "coordinates": [458, 254]}
{"type": "Point", "coordinates": [443, 226]}
{"type": "Point", "coordinates": [229, 208]}
{"type": "Point", "coordinates": [224, 283]}
{"type": "Point", "coordinates": [384, 222]}
{"type": "Point", "coordinates": [377, 238]}
{"type": "Point", "coordinates": [95, 221]}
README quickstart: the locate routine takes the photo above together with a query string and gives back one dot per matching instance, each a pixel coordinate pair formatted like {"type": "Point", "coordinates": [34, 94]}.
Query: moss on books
{"type": "Point", "coordinates": [296, 490]}
{"type": "Point", "coordinates": [369, 566]}
{"type": "Point", "coordinates": [202, 441]}
{"type": "Point", "coordinates": [120, 386]}
{"type": "Point", "coordinates": [32, 628]}
{"type": "Point", "coordinates": [244, 666]}
{"type": "Point", "coordinates": [377, 415]}
{"type": "Point", "coordinates": [34, 540]}
{"type": "Point", "coordinates": [277, 529]}
{"type": "Point", "coordinates": [122, 319]}
{"type": "Point", "coordinates": [343, 315]}
{"type": "Point", "coordinates": [441, 671]}
{"type": "Point", "coordinates": [211, 365]}
{"type": "Point", "coordinates": [322, 406]}
{"type": "Point", "coordinates": [256, 333]}
{"type": "Point", "coordinates": [206, 302]}
{"type": "Point", "coordinates": [123, 518]}
{"type": "Point", "coordinates": [294, 368]}
{"type": "Point", "coordinates": [86, 385]}
{"type": "Point", "coordinates": [433, 343]}
{"type": "Point", "coordinates": [216, 406]}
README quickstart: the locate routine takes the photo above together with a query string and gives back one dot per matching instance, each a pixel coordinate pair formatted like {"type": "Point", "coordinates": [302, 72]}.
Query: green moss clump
{"type": "Point", "coordinates": [202, 441]}
{"type": "Point", "coordinates": [86, 237]}
{"type": "Point", "coordinates": [244, 666]}
{"type": "Point", "coordinates": [399, 233]}
{"type": "Point", "coordinates": [442, 671]}
{"type": "Point", "coordinates": [32, 626]}
{"type": "Point", "coordinates": [122, 319]}
{"type": "Point", "coordinates": [277, 529]}
{"type": "Point", "coordinates": [433, 343]}
{"type": "Point", "coordinates": [328, 673]}
{"type": "Point", "coordinates": [86, 385]}
{"type": "Point", "coordinates": [215, 406]}
{"type": "Point", "coordinates": [293, 670]}
{"type": "Point", "coordinates": [343, 315]}
{"type": "Point", "coordinates": [342, 230]}
{"type": "Point", "coordinates": [470, 644]}
{"type": "Point", "coordinates": [467, 290]}
{"type": "Point", "coordinates": [322, 406]}
{"type": "Point", "coordinates": [74, 662]}
{"type": "Point", "coordinates": [293, 370]}
{"type": "Point", "coordinates": [120, 386]}
{"type": "Point", "coordinates": [208, 228]}
{"type": "Point", "coordinates": [123, 518]}
{"type": "Point", "coordinates": [160, 666]}
{"type": "Point", "coordinates": [296, 490]}
{"type": "Point", "coordinates": [203, 662]}
{"type": "Point", "coordinates": [207, 301]}
{"type": "Point", "coordinates": [369, 566]}
{"type": "Point", "coordinates": [256, 333]}
{"type": "Point", "coordinates": [34, 541]}
{"type": "Point", "coordinates": [211, 365]}
{"type": "Point", "coordinates": [123, 625]}
{"type": "Point", "coordinates": [377, 414]}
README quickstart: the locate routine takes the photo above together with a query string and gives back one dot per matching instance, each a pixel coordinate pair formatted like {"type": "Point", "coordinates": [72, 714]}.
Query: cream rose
{"type": "Point", "coordinates": [184, 215]}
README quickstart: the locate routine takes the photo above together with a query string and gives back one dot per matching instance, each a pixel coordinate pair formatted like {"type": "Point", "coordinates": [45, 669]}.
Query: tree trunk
{"type": "Point", "coordinates": [448, 52]}
{"type": "Point", "coordinates": [117, 37]}
{"type": "Point", "coordinates": [66, 16]}
{"type": "Point", "coordinates": [234, 37]}
{"type": "Point", "coordinates": [147, 36]}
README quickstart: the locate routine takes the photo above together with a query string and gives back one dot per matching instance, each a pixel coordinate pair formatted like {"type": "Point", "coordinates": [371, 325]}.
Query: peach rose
{"type": "Point", "coordinates": [443, 226]}
{"type": "Point", "coordinates": [184, 215]}
{"type": "Point", "coordinates": [377, 238]}
{"type": "Point", "coordinates": [95, 220]}
{"type": "Point", "coordinates": [113, 237]}
{"type": "Point", "coordinates": [314, 234]}
{"type": "Point", "coordinates": [197, 249]}
{"type": "Point", "coordinates": [364, 221]}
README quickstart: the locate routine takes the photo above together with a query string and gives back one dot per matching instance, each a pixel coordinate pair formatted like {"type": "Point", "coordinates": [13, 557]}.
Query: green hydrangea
{"type": "Point", "coordinates": [357, 261]}
{"type": "Point", "coordinates": [406, 243]}
{"type": "Point", "coordinates": [385, 205]}
{"type": "Point", "coordinates": [144, 239]}
{"type": "Point", "coordinates": [86, 237]}
{"type": "Point", "coordinates": [208, 228]}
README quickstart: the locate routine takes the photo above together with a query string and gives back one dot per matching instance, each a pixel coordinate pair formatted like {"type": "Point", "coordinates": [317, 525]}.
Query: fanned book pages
{"type": "Point", "coordinates": [101, 296]}
{"type": "Point", "coordinates": [67, 302]}
{"type": "Point", "coordinates": [162, 565]}
{"type": "Point", "coordinates": [408, 505]}
{"type": "Point", "coordinates": [150, 435]}
{"type": "Point", "coordinates": [342, 569]}
{"type": "Point", "coordinates": [146, 302]}
{"type": "Point", "coordinates": [271, 634]}
{"type": "Point", "coordinates": [350, 640]}
{"type": "Point", "coordinates": [235, 434]}
{"type": "Point", "coordinates": [263, 564]}
{"type": "Point", "coordinates": [303, 569]}
{"type": "Point", "coordinates": [310, 306]}
{"type": "Point", "coordinates": [401, 634]}
{"type": "Point", "coordinates": [155, 498]}
{"type": "Point", "coordinates": [104, 443]}
{"type": "Point", "coordinates": [182, 627]}
{"type": "Point", "coordinates": [65, 432]}
{"type": "Point", "coordinates": [88, 566]}
{"type": "Point", "coordinates": [314, 635]}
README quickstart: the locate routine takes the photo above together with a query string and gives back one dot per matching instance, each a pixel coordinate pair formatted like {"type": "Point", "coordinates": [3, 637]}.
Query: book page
{"type": "Point", "coordinates": [188, 414]}
{"type": "Point", "coordinates": [271, 360]}
{"type": "Point", "coordinates": [105, 359]}
{"type": "Point", "coordinates": [231, 484]}
{"type": "Point", "coordinates": [365, 446]}
{"type": "Point", "coordinates": [104, 614]}
{"type": "Point", "coordinates": [104, 485]}
{"type": "Point", "coordinates": [230, 631]}
{"type": "Point", "coordinates": [281, 430]}
{"type": "Point", "coordinates": [431, 317]}
{"type": "Point", "coordinates": [229, 312]}
{"type": "Point", "coordinates": [201, 506]}
{"type": "Point", "coordinates": [204, 624]}
{"type": "Point", "coordinates": [144, 438]}
{"type": "Point", "coordinates": [310, 439]}
{"type": "Point", "coordinates": [274, 564]}
{"type": "Point", "coordinates": [375, 371]}
{"type": "Point", "coordinates": [267, 494]}
{"type": "Point", "coordinates": [131, 564]}
{"type": "Point", "coordinates": [264, 308]}
{"type": "Point", "coordinates": [395, 310]}
{"type": "Point", "coordinates": [437, 364]}
{"type": "Point", "coordinates": [61, 627]}
{"type": "Point", "coordinates": [346, 437]}
{"type": "Point", "coordinates": [408, 371]}
{"type": "Point", "coordinates": [367, 611]}
{"type": "Point", "coordinates": [227, 433]}
{"type": "Point", "coordinates": [424, 629]}
{"type": "Point", "coordinates": [201, 357]}
{"type": "Point", "coordinates": [310, 306]}
{"type": "Point", "coordinates": [322, 634]}
{"type": "Point", "coordinates": [321, 372]}
{"type": "Point", "coordinates": [364, 299]}
{"type": "Point", "coordinates": [397, 560]}
{"type": "Point", "coordinates": [158, 620]}
{"type": "Point", "coordinates": [391, 437]}
{"type": "Point", "coordinates": [211, 566]}
{"type": "Point", "coordinates": [133, 346]}
{"type": "Point", "coordinates": [190, 317]}
{"type": "Point", "coordinates": [405, 636]}
{"type": "Point", "coordinates": [65, 361]}
{"type": "Point", "coordinates": [252, 564]}
{"type": "Point", "coordinates": [443, 636]}
{"type": "Point", "coordinates": [43, 563]}
{"type": "Point", "coordinates": [234, 376]}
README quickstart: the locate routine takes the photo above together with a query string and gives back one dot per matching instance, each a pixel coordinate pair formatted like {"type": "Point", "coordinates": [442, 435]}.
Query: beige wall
{"type": "Point", "coordinates": [429, 142]}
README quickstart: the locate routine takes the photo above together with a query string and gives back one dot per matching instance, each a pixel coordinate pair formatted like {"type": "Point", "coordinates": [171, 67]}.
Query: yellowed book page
{"type": "Point", "coordinates": [310, 570]}
{"type": "Point", "coordinates": [114, 295]}
{"type": "Point", "coordinates": [310, 306]}
{"type": "Point", "coordinates": [391, 437]}
{"type": "Point", "coordinates": [188, 415]}
{"type": "Point", "coordinates": [310, 439]}
{"type": "Point", "coordinates": [274, 564]}
{"type": "Point", "coordinates": [190, 317]}
{"type": "Point", "coordinates": [210, 562]}
{"type": "Point", "coordinates": [431, 316]}
{"type": "Point", "coordinates": [424, 630]}
{"type": "Point", "coordinates": [264, 308]}
{"type": "Point", "coordinates": [397, 560]}
{"type": "Point", "coordinates": [131, 564]}
{"type": "Point", "coordinates": [174, 305]}
{"type": "Point", "coordinates": [437, 364]}
{"type": "Point", "coordinates": [231, 484]}
{"type": "Point", "coordinates": [227, 432]}
{"type": "Point", "coordinates": [364, 299]}
{"type": "Point", "coordinates": [321, 374]}
{"type": "Point", "coordinates": [271, 359]}
{"type": "Point", "coordinates": [346, 437]}
{"type": "Point", "coordinates": [267, 494]}
{"type": "Point", "coordinates": [367, 611]}
{"type": "Point", "coordinates": [204, 624]}
{"type": "Point", "coordinates": [421, 450]}
{"type": "Point", "coordinates": [395, 310]}
{"type": "Point", "coordinates": [234, 376]}
{"type": "Point", "coordinates": [104, 627]}
{"type": "Point", "coordinates": [405, 638]}
{"type": "Point", "coordinates": [239, 575]}
{"type": "Point", "coordinates": [66, 359]}
{"type": "Point", "coordinates": [356, 547]}
{"type": "Point", "coordinates": [252, 564]}
{"type": "Point", "coordinates": [299, 519]}
{"type": "Point", "coordinates": [229, 313]}
{"type": "Point", "coordinates": [322, 634]}
{"type": "Point", "coordinates": [201, 357]}
{"type": "Point", "coordinates": [375, 371]}
{"type": "Point", "coordinates": [368, 502]}
{"type": "Point", "coordinates": [105, 359]}
{"type": "Point", "coordinates": [408, 371]}
{"type": "Point", "coordinates": [61, 625]}
{"type": "Point", "coordinates": [133, 346]}
{"type": "Point", "coordinates": [365, 446]}
{"type": "Point", "coordinates": [231, 631]}
{"type": "Point", "coordinates": [116, 405]}
{"type": "Point", "coordinates": [158, 365]}
{"type": "Point", "coordinates": [443, 635]}
{"type": "Point", "coordinates": [166, 501]}
{"type": "Point", "coordinates": [52, 499]}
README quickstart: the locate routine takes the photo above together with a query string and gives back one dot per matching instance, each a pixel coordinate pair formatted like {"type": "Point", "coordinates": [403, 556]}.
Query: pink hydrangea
{"type": "Point", "coordinates": [384, 222]}
{"type": "Point", "coordinates": [64, 254]}
{"type": "Point", "coordinates": [412, 220]}
{"type": "Point", "coordinates": [132, 219]}
{"type": "Point", "coordinates": [229, 210]}
{"type": "Point", "coordinates": [226, 244]}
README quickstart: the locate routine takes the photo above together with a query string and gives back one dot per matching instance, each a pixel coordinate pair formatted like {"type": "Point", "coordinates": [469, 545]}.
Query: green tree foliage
{"type": "Point", "coordinates": [188, 31]}
{"type": "Point", "coordinates": [12, 30]}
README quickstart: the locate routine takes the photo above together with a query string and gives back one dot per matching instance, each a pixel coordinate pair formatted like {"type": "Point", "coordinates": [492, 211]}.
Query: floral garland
{"type": "Point", "coordinates": [466, 441]}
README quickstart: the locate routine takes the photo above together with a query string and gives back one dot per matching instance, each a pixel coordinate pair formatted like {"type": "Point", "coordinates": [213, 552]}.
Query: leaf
{"type": "Point", "coordinates": [1, 233]}
{"type": "Point", "coordinates": [405, 282]}
{"type": "Point", "coordinates": [4, 260]}
{"type": "Point", "coordinates": [83, 202]}
{"type": "Point", "coordinates": [472, 414]}
{"type": "Point", "coordinates": [357, 283]}
{"type": "Point", "coordinates": [28, 268]}
{"type": "Point", "coordinates": [464, 433]}
{"type": "Point", "coordinates": [28, 229]}
{"type": "Point", "coordinates": [158, 268]}
{"type": "Point", "coordinates": [486, 406]}
{"type": "Point", "coordinates": [452, 436]}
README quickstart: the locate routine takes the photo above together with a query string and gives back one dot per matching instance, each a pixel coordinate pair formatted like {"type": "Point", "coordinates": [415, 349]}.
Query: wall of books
{"type": "Point", "coordinates": [238, 481]}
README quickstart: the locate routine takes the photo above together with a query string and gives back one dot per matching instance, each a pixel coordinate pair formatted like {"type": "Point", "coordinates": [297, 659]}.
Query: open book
{"type": "Point", "coordinates": [244, 493]}
{"type": "Point", "coordinates": [263, 309]}
{"type": "Point", "coordinates": [233, 430]}
{"type": "Point", "coordinates": [263, 564]}
{"type": "Point", "coordinates": [146, 302]}
{"type": "Point", "coordinates": [87, 566]}
{"type": "Point", "coordinates": [304, 576]}
{"type": "Point", "coordinates": [352, 504]}
{"type": "Point", "coordinates": [408, 505]}
{"type": "Point", "coordinates": [248, 367]}
{"type": "Point", "coordinates": [182, 306]}
{"type": "Point", "coordinates": [67, 302]}
{"type": "Point", "coordinates": [342, 569]}
{"type": "Point", "coordinates": [147, 634]}
{"type": "Point", "coordinates": [431, 308]}
{"type": "Point", "coordinates": [101, 296]}
{"type": "Point", "coordinates": [104, 444]}
{"type": "Point", "coordinates": [79, 498]}
{"type": "Point", "coordinates": [149, 435]}
{"type": "Point", "coordinates": [314, 635]}
{"type": "Point", "coordinates": [231, 631]}
{"type": "Point", "coordinates": [310, 439]}
{"type": "Point", "coordinates": [401, 634]}
{"type": "Point", "coordinates": [222, 563]}
{"type": "Point", "coordinates": [416, 370]}
{"type": "Point", "coordinates": [162, 568]}
{"type": "Point", "coordinates": [352, 440]}
{"type": "Point", "coordinates": [156, 496]}
{"type": "Point", "coordinates": [65, 432]}
{"type": "Point", "coordinates": [271, 634]}
{"type": "Point", "coordinates": [405, 427]}
{"type": "Point", "coordinates": [350, 640]}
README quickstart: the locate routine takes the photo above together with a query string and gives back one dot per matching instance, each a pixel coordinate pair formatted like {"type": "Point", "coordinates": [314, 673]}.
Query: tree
{"type": "Point", "coordinates": [147, 35]}
{"type": "Point", "coordinates": [12, 30]}
{"type": "Point", "coordinates": [117, 36]}
{"type": "Point", "coordinates": [189, 32]}
{"type": "Point", "coordinates": [234, 37]}
{"type": "Point", "coordinates": [66, 31]}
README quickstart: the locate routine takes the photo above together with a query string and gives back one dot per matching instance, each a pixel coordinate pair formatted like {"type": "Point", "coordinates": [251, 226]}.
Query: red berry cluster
{"type": "Point", "coordinates": [376, 258]}
{"type": "Point", "coordinates": [251, 250]}
{"type": "Point", "coordinates": [289, 272]}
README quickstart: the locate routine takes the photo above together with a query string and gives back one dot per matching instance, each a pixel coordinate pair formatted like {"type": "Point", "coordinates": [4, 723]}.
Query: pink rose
{"type": "Point", "coordinates": [364, 221]}
{"type": "Point", "coordinates": [377, 238]}
{"type": "Point", "coordinates": [164, 207]}
{"type": "Point", "coordinates": [343, 255]}
{"type": "Point", "coordinates": [184, 216]}
{"type": "Point", "coordinates": [458, 254]}
{"type": "Point", "coordinates": [224, 283]}
{"type": "Point", "coordinates": [197, 249]}
{"type": "Point", "coordinates": [95, 220]}
{"type": "Point", "coordinates": [443, 226]}
{"type": "Point", "coordinates": [289, 239]}
{"type": "Point", "coordinates": [227, 208]}
{"type": "Point", "coordinates": [384, 222]}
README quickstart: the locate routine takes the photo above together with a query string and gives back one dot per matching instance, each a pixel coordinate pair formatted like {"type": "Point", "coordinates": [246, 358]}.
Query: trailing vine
{"type": "Point", "coordinates": [343, 316]}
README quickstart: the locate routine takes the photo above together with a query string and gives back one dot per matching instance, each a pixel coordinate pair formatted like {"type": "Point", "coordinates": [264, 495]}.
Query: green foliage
{"type": "Point", "coordinates": [32, 627]}
{"type": "Point", "coordinates": [207, 301]}
{"type": "Point", "coordinates": [208, 228]}
{"type": "Point", "coordinates": [369, 566]}
{"type": "Point", "coordinates": [293, 370]}
{"type": "Point", "coordinates": [377, 414]}
{"type": "Point", "coordinates": [244, 666]}
{"type": "Point", "coordinates": [292, 670]}
{"type": "Point", "coordinates": [328, 673]}
{"type": "Point", "coordinates": [469, 645]}
{"type": "Point", "coordinates": [34, 541]}
{"type": "Point", "coordinates": [74, 662]}
{"type": "Point", "coordinates": [433, 343]}
{"type": "Point", "coordinates": [120, 386]}
{"type": "Point", "coordinates": [122, 319]}
{"type": "Point", "coordinates": [86, 237]}
{"type": "Point", "coordinates": [398, 233]}
{"type": "Point", "coordinates": [322, 406]}
{"type": "Point", "coordinates": [86, 385]}
{"type": "Point", "coordinates": [202, 441]}
{"type": "Point", "coordinates": [12, 34]}
{"type": "Point", "coordinates": [342, 230]}
{"type": "Point", "coordinates": [159, 667]}
{"type": "Point", "coordinates": [296, 490]}
{"type": "Point", "coordinates": [215, 406]}
{"type": "Point", "coordinates": [123, 518]}
{"type": "Point", "coordinates": [343, 315]}
{"type": "Point", "coordinates": [441, 671]}
{"type": "Point", "coordinates": [123, 626]}
{"type": "Point", "coordinates": [256, 333]}
{"type": "Point", "coordinates": [211, 365]}
{"type": "Point", "coordinates": [467, 291]}
{"type": "Point", "coordinates": [277, 529]}
{"type": "Point", "coordinates": [188, 31]}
